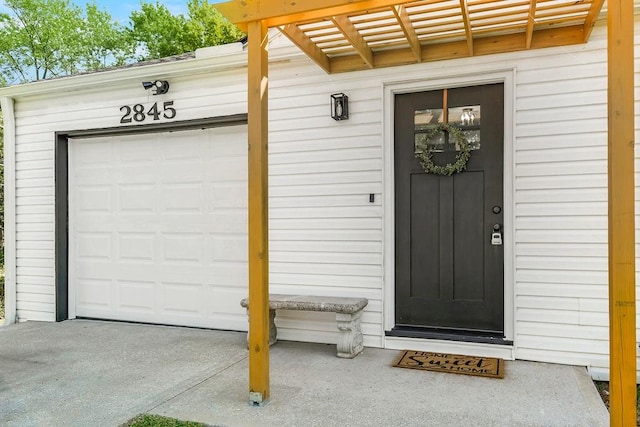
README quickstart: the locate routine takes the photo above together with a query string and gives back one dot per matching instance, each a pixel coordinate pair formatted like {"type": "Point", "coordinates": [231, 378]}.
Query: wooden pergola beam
{"type": "Point", "coordinates": [404, 20]}
{"type": "Point", "coordinates": [347, 28]}
{"type": "Point", "coordinates": [467, 25]}
{"type": "Point", "coordinates": [590, 21]}
{"type": "Point", "coordinates": [258, 86]}
{"type": "Point", "coordinates": [257, 16]}
{"type": "Point", "coordinates": [460, 49]}
{"type": "Point", "coordinates": [622, 271]}
{"type": "Point", "coordinates": [276, 13]}
{"type": "Point", "coordinates": [300, 39]}
{"type": "Point", "coordinates": [531, 22]}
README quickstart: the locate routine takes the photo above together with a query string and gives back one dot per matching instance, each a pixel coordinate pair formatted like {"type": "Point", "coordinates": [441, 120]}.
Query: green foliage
{"type": "Point", "coordinates": [40, 39]}
{"type": "Point", "coordinates": [158, 31]}
{"type": "Point", "coordinates": [147, 420]}
{"type": "Point", "coordinates": [207, 27]}
{"type": "Point", "coordinates": [162, 34]}
{"type": "Point", "coordinates": [105, 42]}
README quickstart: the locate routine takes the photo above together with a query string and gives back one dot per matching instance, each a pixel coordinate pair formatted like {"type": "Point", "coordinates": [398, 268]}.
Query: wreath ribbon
{"type": "Point", "coordinates": [424, 151]}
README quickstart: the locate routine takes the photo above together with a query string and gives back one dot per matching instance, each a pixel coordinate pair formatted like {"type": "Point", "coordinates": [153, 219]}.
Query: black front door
{"type": "Point", "coordinates": [448, 260]}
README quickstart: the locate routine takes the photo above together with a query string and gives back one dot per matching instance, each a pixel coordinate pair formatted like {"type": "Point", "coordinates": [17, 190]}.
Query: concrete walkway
{"type": "Point", "coordinates": [90, 373]}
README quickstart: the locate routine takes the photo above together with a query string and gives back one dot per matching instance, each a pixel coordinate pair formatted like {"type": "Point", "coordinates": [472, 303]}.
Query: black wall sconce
{"type": "Point", "coordinates": [160, 87]}
{"type": "Point", "coordinates": [339, 106]}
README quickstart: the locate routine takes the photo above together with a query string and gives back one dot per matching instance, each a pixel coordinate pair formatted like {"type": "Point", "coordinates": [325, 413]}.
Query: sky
{"type": "Point", "coordinates": [120, 10]}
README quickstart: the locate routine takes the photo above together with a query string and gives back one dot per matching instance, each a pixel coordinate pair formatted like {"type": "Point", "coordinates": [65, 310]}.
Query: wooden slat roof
{"type": "Point", "coordinates": [352, 35]}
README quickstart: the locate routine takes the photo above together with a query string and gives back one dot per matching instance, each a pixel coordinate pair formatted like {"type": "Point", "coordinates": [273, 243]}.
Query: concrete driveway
{"type": "Point", "coordinates": [91, 373]}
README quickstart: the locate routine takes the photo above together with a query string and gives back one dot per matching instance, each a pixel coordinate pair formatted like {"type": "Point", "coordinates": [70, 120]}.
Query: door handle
{"type": "Point", "coordinates": [496, 235]}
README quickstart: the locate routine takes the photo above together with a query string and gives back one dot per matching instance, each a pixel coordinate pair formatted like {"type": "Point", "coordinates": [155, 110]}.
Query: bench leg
{"type": "Point", "coordinates": [273, 331]}
{"type": "Point", "coordinates": [350, 335]}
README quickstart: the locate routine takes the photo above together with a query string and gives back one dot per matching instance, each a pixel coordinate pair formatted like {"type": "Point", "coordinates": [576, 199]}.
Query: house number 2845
{"type": "Point", "coordinates": [139, 113]}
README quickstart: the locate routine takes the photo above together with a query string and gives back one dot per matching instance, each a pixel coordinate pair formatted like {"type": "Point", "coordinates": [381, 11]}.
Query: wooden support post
{"type": "Point", "coordinates": [622, 300]}
{"type": "Point", "coordinates": [258, 214]}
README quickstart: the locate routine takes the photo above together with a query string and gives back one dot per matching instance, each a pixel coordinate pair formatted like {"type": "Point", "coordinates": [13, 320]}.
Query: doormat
{"type": "Point", "coordinates": [453, 363]}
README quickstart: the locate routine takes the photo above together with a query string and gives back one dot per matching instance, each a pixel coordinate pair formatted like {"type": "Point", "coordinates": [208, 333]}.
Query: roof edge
{"type": "Point", "coordinates": [210, 59]}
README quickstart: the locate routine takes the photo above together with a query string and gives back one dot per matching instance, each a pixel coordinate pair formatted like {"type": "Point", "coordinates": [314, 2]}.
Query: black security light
{"type": "Point", "coordinates": [339, 106]}
{"type": "Point", "coordinates": [160, 87]}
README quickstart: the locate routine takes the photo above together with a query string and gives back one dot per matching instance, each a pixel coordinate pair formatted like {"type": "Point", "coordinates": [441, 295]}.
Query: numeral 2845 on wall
{"type": "Point", "coordinates": [139, 113]}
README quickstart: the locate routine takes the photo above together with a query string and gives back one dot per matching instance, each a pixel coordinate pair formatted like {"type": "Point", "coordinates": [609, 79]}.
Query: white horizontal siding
{"type": "Point", "coordinates": [326, 237]}
{"type": "Point", "coordinates": [561, 207]}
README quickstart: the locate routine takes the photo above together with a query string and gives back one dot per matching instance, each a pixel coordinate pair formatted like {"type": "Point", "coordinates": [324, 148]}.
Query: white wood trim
{"type": "Point", "coordinates": [390, 89]}
{"type": "Point", "coordinates": [602, 374]}
{"type": "Point", "coordinates": [71, 227]}
{"type": "Point", "coordinates": [451, 347]}
{"type": "Point", "coordinates": [8, 117]}
{"type": "Point", "coordinates": [200, 64]}
{"type": "Point", "coordinates": [111, 78]}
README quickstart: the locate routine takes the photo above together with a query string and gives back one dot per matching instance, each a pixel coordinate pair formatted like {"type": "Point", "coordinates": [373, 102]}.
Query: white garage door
{"type": "Point", "coordinates": [158, 227]}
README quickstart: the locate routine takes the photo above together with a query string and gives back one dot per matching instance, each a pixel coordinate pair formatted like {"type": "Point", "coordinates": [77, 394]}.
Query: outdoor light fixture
{"type": "Point", "coordinates": [339, 106]}
{"type": "Point", "coordinates": [160, 86]}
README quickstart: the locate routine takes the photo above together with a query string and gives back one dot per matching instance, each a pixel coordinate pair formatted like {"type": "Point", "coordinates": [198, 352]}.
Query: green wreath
{"type": "Point", "coordinates": [424, 151]}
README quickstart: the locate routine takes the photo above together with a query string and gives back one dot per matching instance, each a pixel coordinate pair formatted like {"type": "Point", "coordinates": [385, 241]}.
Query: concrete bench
{"type": "Point", "coordinates": [348, 313]}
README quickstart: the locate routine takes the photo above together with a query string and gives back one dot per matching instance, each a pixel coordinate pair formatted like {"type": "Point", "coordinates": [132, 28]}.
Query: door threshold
{"type": "Point", "coordinates": [448, 335]}
{"type": "Point", "coordinates": [506, 352]}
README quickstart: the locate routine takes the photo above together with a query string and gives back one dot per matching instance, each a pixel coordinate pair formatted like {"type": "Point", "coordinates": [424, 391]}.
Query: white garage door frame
{"type": "Point", "coordinates": [64, 298]}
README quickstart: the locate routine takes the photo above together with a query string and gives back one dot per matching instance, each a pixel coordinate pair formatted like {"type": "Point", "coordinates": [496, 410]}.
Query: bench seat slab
{"type": "Point", "coordinates": [348, 317]}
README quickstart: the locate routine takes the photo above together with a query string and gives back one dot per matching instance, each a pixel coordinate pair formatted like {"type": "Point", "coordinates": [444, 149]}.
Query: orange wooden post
{"type": "Point", "coordinates": [258, 214]}
{"type": "Point", "coordinates": [622, 299]}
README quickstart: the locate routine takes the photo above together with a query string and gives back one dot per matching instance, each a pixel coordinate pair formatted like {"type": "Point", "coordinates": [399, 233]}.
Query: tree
{"type": "Point", "coordinates": [50, 38]}
{"type": "Point", "coordinates": [105, 43]}
{"type": "Point", "coordinates": [40, 39]}
{"type": "Point", "coordinates": [158, 32]}
{"type": "Point", "coordinates": [207, 26]}
{"type": "Point", "coordinates": [162, 34]}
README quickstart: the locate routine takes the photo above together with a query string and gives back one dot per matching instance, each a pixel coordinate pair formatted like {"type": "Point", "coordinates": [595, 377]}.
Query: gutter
{"type": "Point", "coordinates": [209, 60]}
{"type": "Point", "coordinates": [10, 312]}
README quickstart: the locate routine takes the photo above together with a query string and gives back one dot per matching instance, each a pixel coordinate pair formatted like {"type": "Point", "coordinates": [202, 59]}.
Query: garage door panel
{"type": "Point", "coordinates": [225, 170]}
{"type": "Point", "coordinates": [137, 198]}
{"type": "Point", "coordinates": [183, 198]}
{"type": "Point", "coordinates": [183, 172]}
{"type": "Point", "coordinates": [185, 299]}
{"type": "Point", "coordinates": [95, 176]}
{"type": "Point", "coordinates": [229, 222]}
{"type": "Point", "coordinates": [95, 199]}
{"type": "Point", "coordinates": [134, 174]}
{"type": "Point", "coordinates": [95, 246]}
{"type": "Point", "coordinates": [158, 227]}
{"type": "Point", "coordinates": [227, 274]}
{"type": "Point", "coordinates": [95, 293]}
{"type": "Point", "coordinates": [95, 153]}
{"type": "Point", "coordinates": [136, 296]}
{"type": "Point", "coordinates": [134, 150]}
{"type": "Point", "coordinates": [232, 144]}
{"type": "Point", "coordinates": [175, 147]}
{"type": "Point", "coordinates": [219, 297]}
{"type": "Point", "coordinates": [232, 195]}
{"type": "Point", "coordinates": [229, 248]}
{"type": "Point", "coordinates": [137, 247]}
{"type": "Point", "coordinates": [182, 249]}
